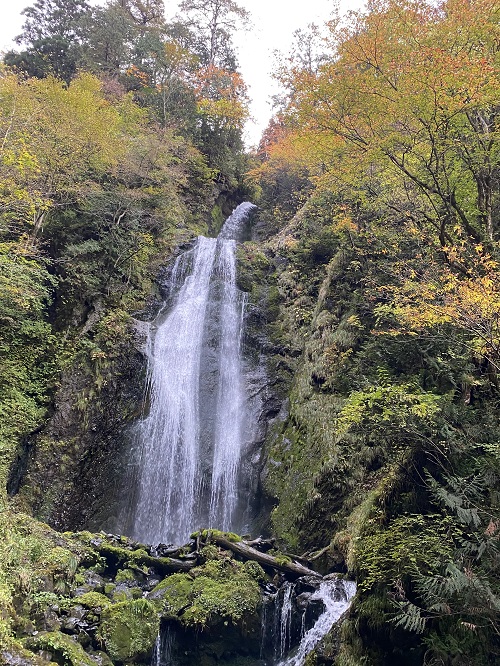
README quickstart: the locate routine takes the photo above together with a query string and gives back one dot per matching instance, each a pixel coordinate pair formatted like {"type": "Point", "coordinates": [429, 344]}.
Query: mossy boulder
{"type": "Point", "coordinates": [128, 630]}
{"type": "Point", "coordinates": [219, 591]}
{"type": "Point", "coordinates": [173, 594]}
{"type": "Point", "coordinates": [125, 576]}
{"type": "Point", "coordinates": [94, 601]}
{"type": "Point", "coordinates": [14, 654]}
{"type": "Point", "coordinates": [206, 534]}
{"type": "Point", "coordinates": [64, 650]}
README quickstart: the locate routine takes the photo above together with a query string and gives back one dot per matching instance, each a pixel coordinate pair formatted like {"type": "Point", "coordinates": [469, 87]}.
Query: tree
{"type": "Point", "coordinates": [308, 49]}
{"type": "Point", "coordinates": [214, 21]}
{"type": "Point", "coordinates": [412, 120]}
{"type": "Point", "coordinates": [55, 139]}
{"type": "Point", "coordinates": [111, 34]}
{"type": "Point", "coordinates": [52, 33]}
{"type": "Point", "coordinates": [222, 110]}
{"type": "Point", "coordinates": [145, 12]}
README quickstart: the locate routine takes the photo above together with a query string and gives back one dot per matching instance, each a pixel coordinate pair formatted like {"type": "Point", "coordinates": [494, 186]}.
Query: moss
{"type": "Point", "coordinates": [109, 589]}
{"type": "Point", "coordinates": [94, 600]}
{"type": "Point", "coordinates": [253, 266]}
{"type": "Point", "coordinates": [128, 630]}
{"type": "Point", "coordinates": [124, 575]}
{"type": "Point", "coordinates": [174, 593]}
{"type": "Point", "coordinates": [137, 560]}
{"type": "Point", "coordinates": [217, 218]}
{"type": "Point", "coordinates": [254, 570]}
{"type": "Point", "coordinates": [114, 555]}
{"type": "Point", "coordinates": [6, 611]}
{"type": "Point", "coordinates": [311, 659]}
{"type": "Point", "coordinates": [12, 652]}
{"type": "Point", "coordinates": [282, 559]}
{"type": "Point", "coordinates": [209, 552]}
{"type": "Point", "coordinates": [79, 579]}
{"type": "Point", "coordinates": [220, 590]}
{"type": "Point", "coordinates": [224, 590]}
{"type": "Point", "coordinates": [207, 534]}
{"type": "Point", "coordinates": [102, 658]}
{"type": "Point", "coordinates": [63, 648]}
{"type": "Point", "coordinates": [215, 601]}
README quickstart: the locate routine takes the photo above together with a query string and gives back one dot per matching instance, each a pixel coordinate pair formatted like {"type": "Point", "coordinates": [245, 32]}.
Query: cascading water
{"type": "Point", "coordinates": [190, 444]}
{"type": "Point", "coordinates": [285, 619]}
{"type": "Point", "coordinates": [162, 652]}
{"type": "Point", "coordinates": [187, 468]}
{"type": "Point", "coordinates": [295, 616]}
{"type": "Point", "coordinates": [336, 595]}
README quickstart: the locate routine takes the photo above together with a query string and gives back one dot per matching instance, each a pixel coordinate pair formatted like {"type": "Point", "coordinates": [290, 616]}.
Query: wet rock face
{"type": "Point", "coordinates": [267, 374]}
{"type": "Point", "coordinates": [63, 474]}
{"type": "Point", "coordinates": [221, 646]}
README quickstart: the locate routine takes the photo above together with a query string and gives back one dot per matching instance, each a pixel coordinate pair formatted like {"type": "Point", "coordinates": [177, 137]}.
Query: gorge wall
{"type": "Point", "coordinates": [346, 475]}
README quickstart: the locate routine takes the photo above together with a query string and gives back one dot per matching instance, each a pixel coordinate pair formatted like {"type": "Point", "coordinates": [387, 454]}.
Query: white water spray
{"type": "Point", "coordinates": [191, 442]}
{"type": "Point", "coordinates": [336, 596]}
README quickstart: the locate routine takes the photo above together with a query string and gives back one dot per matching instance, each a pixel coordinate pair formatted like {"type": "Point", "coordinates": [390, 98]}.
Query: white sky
{"type": "Point", "coordinates": [274, 22]}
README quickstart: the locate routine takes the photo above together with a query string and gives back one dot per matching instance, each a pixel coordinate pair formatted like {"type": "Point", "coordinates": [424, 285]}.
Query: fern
{"type": "Point", "coordinates": [409, 617]}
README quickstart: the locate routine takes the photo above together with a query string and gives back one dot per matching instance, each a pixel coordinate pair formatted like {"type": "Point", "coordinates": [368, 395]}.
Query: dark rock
{"type": "Point", "coordinates": [18, 657]}
{"type": "Point", "coordinates": [164, 550]}
{"type": "Point", "coordinates": [303, 600]}
{"type": "Point", "coordinates": [101, 658]}
{"type": "Point", "coordinates": [159, 594]}
{"type": "Point", "coordinates": [125, 591]}
{"type": "Point", "coordinates": [84, 639]}
{"type": "Point", "coordinates": [93, 583]}
{"type": "Point", "coordinates": [307, 584]}
{"type": "Point", "coordinates": [77, 612]}
{"type": "Point", "coordinates": [52, 622]}
{"type": "Point", "coordinates": [151, 583]}
{"type": "Point", "coordinates": [75, 621]}
{"type": "Point", "coordinates": [74, 625]}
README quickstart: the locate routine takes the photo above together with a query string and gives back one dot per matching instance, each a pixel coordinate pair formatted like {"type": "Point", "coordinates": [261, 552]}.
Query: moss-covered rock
{"type": "Point", "coordinates": [124, 575]}
{"type": "Point", "coordinates": [128, 630]}
{"type": "Point", "coordinates": [94, 601]}
{"type": "Point", "coordinates": [63, 649]}
{"type": "Point", "coordinates": [219, 591]}
{"type": "Point", "coordinates": [173, 594]}
{"type": "Point", "coordinates": [12, 653]}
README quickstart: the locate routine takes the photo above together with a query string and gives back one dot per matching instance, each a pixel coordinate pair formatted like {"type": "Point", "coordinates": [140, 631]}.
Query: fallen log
{"type": "Point", "coordinates": [317, 554]}
{"type": "Point", "coordinates": [260, 544]}
{"type": "Point", "coordinates": [285, 564]}
{"type": "Point", "coordinates": [121, 557]}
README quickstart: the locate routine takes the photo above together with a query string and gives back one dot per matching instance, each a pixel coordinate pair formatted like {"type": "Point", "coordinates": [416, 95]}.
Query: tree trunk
{"type": "Point", "coordinates": [244, 550]}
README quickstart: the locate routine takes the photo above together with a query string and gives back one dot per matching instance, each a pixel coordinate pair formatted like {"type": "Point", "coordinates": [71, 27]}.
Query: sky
{"type": "Point", "coordinates": [274, 22]}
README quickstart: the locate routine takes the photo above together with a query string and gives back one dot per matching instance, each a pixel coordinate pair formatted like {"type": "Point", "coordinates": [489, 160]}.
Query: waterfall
{"type": "Point", "coordinates": [163, 649]}
{"type": "Point", "coordinates": [285, 620]}
{"type": "Point", "coordinates": [336, 595]}
{"type": "Point", "coordinates": [189, 446]}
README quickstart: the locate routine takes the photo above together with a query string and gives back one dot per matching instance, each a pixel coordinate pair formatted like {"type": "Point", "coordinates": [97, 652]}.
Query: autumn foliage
{"type": "Point", "coordinates": [402, 119]}
{"type": "Point", "coordinates": [382, 166]}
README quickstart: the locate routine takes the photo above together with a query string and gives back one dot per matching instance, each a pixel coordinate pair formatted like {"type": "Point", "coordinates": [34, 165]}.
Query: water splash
{"type": "Point", "coordinates": [336, 596]}
{"type": "Point", "coordinates": [285, 620]}
{"type": "Point", "coordinates": [190, 444]}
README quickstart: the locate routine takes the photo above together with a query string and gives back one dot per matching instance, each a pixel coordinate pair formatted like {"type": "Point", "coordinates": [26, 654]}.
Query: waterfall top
{"type": "Point", "coordinates": [233, 227]}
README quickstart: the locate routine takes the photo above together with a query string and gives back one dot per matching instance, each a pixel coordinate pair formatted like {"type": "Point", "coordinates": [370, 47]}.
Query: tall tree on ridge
{"type": "Point", "coordinates": [52, 33]}
{"type": "Point", "coordinates": [214, 21]}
